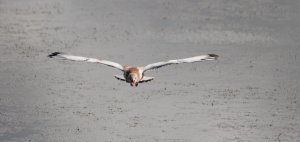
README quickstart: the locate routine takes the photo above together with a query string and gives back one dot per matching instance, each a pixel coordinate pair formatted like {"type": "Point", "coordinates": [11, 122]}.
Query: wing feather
{"type": "Point", "coordinates": [64, 56]}
{"type": "Point", "coordinates": [178, 61]}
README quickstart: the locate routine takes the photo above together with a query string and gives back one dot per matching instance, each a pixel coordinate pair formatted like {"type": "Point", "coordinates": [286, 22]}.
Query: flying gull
{"type": "Point", "coordinates": [133, 74]}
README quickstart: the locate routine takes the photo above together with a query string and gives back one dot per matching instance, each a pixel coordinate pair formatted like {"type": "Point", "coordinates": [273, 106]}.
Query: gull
{"type": "Point", "coordinates": [133, 74]}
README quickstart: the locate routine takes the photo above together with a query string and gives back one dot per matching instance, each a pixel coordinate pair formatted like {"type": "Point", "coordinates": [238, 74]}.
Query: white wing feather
{"type": "Point", "coordinates": [178, 61]}
{"type": "Point", "coordinates": [85, 59]}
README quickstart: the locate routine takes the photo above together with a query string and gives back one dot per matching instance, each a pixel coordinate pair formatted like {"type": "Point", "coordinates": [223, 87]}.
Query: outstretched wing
{"type": "Point", "coordinates": [146, 79]}
{"type": "Point", "coordinates": [177, 61]}
{"type": "Point", "coordinates": [120, 77]}
{"type": "Point", "coordinates": [64, 56]}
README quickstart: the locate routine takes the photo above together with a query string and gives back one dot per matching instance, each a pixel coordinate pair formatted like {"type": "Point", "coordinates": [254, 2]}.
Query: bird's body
{"type": "Point", "coordinates": [134, 74]}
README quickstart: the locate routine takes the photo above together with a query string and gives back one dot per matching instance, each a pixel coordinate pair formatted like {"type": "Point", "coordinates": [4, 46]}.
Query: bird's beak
{"type": "Point", "coordinates": [133, 84]}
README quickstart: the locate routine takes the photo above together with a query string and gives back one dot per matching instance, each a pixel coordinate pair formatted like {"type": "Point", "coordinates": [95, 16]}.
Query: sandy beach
{"type": "Point", "coordinates": [250, 94]}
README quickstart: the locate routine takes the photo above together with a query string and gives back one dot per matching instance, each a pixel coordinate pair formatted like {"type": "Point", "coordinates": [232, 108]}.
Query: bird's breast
{"type": "Point", "coordinates": [134, 70]}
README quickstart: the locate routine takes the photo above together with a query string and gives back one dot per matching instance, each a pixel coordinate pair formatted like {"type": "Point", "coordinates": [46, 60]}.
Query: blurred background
{"type": "Point", "coordinates": [250, 94]}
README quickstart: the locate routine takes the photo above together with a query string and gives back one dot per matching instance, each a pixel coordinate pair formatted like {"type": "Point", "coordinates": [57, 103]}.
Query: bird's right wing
{"type": "Point", "coordinates": [178, 61]}
{"type": "Point", "coordinates": [64, 56]}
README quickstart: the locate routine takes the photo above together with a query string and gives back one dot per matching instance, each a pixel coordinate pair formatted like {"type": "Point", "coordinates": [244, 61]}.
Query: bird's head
{"type": "Point", "coordinates": [133, 78]}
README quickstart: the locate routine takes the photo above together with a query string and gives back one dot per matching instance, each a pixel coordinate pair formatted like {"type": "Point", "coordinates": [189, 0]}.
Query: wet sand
{"type": "Point", "coordinates": [250, 94]}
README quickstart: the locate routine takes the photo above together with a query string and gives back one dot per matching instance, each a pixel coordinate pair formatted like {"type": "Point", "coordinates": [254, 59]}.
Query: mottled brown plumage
{"type": "Point", "coordinates": [133, 75]}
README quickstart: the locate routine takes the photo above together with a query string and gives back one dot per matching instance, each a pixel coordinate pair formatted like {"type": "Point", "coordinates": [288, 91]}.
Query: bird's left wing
{"type": "Point", "coordinates": [185, 60]}
{"type": "Point", "coordinates": [64, 56]}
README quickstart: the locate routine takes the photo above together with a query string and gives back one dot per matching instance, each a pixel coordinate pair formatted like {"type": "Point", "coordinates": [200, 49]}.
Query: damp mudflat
{"type": "Point", "coordinates": [251, 93]}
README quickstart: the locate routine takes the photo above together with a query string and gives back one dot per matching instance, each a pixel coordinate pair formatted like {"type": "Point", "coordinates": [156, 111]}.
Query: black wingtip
{"type": "Point", "coordinates": [53, 54]}
{"type": "Point", "coordinates": [214, 55]}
